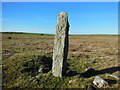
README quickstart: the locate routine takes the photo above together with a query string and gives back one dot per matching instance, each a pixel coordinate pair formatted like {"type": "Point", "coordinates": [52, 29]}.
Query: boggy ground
{"type": "Point", "coordinates": [23, 55]}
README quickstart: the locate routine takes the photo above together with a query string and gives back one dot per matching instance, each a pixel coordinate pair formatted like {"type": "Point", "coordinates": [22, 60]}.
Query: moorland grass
{"type": "Point", "coordinates": [22, 59]}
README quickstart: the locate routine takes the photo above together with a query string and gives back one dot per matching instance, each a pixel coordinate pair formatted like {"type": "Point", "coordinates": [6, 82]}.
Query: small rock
{"type": "Point", "coordinates": [37, 76]}
{"type": "Point", "coordinates": [77, 85]}
{"type": "Point", "coordinates": [89, 69]}
{"type": "Point", "coordinates": [40, 70]}
{"type": "Point", "coordinates": [71, 81]}
{"type": "Point", "coordinates": [34, 80]}
{"type": "Point", "coordinates": [91, 62]}
{"type": "Point", "coordinates": [86, 69]}
{"type": "Point", "coordinates": [99, 81]}
{"type": "Point", "coordinates": [115, 76]}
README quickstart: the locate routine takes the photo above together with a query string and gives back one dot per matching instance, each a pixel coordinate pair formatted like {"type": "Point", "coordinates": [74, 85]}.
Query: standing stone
{"type": "Point", "coordinates": [60, 50]}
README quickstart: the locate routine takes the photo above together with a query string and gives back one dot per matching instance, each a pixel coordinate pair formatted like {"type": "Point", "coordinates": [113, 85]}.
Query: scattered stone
{"type": "Point", "coordinates": [90, 70]}
{"type": "Point", "coordinates": [71, 81]}
{"type": "Point", "coordinates": [34, 80]}
{"type": "Point", "coordinates": [99, 81]}
{"type": "Point", "coordinates": [91, 62]}
{"type": "Point", "coordinates": [60, 50]}
{"type": "Point", "coordinates": [40, 70]}
{"type": "Point", "coordinates": [76, 85]}
{"type": "Point", "coordinates": [115, 76]}
{"type": "Point", "coordinates": [38, 76]}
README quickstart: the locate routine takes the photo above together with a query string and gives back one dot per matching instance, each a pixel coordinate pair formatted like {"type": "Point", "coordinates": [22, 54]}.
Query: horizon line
{"type": "Point", "coordinates": [69, 34]}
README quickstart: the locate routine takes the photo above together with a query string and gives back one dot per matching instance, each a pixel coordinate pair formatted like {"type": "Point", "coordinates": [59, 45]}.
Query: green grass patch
{"type": "Point", "coordinates": [21, 72]}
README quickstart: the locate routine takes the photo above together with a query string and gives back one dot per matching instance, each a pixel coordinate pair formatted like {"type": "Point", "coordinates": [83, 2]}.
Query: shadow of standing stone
{"type": "Point", "coordinates": [91, 72]}
{"type": "Point", "coordinates": [33, 66]}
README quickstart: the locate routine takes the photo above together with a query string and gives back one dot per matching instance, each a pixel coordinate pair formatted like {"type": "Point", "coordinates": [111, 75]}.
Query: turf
{"type": "Point", "coordinates": [23, 54]}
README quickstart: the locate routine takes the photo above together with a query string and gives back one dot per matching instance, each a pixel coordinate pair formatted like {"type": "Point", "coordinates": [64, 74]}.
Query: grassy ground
{"type": "Point", "coordinates": [22, 56]}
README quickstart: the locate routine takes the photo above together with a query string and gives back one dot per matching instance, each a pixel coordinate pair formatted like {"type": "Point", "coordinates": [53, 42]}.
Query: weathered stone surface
{"type": "Point", "coordinates": [38, 76]}
{"type": "Point", "coordinates": [40, 70]}
{"type": "Point", "coordinates": [60, 45]}
{"type": "Point", "coordinates": [99, 81]}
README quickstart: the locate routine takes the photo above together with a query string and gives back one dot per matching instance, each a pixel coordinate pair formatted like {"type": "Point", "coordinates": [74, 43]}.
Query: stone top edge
{"type": "Point", "coordinates": [63, 13]}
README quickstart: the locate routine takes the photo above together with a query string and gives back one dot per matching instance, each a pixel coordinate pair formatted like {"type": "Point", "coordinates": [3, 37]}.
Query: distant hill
{"type": "Point", "coordinates": [42, 34]}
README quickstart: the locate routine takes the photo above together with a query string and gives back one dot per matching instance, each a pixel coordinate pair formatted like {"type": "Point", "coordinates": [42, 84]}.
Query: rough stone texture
{"type": "Point", "coordinates": [60, 45]}
{"type": "Point", "coordinates": [40, 70]}
{"type": "Point", "coordinates": [99, 82]}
